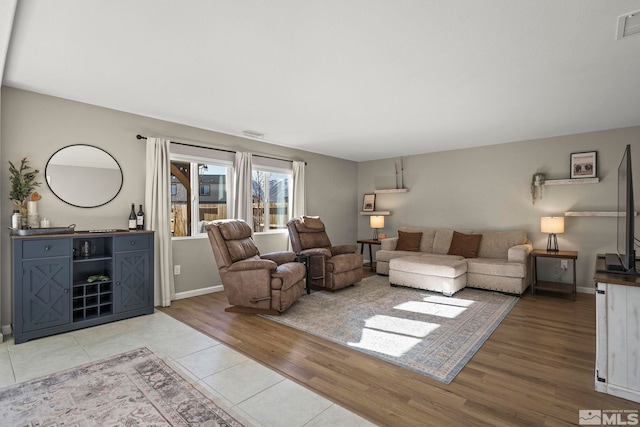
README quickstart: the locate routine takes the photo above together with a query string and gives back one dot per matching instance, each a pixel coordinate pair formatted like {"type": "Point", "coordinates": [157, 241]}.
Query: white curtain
{"type": "Point", "coordinates": [241, 207]}
{"type": "Point", "coordinates": [299, 202]}
{"type": "Point", "coordinates": [157, 202]}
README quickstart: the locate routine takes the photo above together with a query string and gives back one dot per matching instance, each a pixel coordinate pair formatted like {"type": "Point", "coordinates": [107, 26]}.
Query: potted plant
{"type": "Point", "coordinates": [537, 182]}
{"type": "Point", "coordinates": [23, 182]}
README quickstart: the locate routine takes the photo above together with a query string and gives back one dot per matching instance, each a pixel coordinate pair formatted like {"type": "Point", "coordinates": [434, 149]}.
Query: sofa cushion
{"type": "Point", "coordinates": [496, 244]}
{"type": "Point", "coordinates": [408, 241]}
{"type": "Point", "coordinates": [428, 234]}
{"type": "Point", "coordinates": [465, 244]}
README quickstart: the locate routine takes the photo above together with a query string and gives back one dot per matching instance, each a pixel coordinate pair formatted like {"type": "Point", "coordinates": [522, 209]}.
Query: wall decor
{"type": "Point", "coordinates": [83, 175]}
{"type": "Point", "coordinates": [369, 203]}
{"type": "Point", "coordinates": [537, 184]}
{"type": "Point", "coordinates": [584, 165]}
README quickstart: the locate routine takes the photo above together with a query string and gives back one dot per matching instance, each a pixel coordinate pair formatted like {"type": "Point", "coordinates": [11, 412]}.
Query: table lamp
{"type": "Point", "coordinates": [552, 225]}
{"type": "Point", "coordinates": [376, 222]}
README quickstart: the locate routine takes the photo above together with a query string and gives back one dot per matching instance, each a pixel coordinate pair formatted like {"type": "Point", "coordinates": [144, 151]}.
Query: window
{"type": "Point", "coordinates": [270, 196]}
{"type": "Point", "coordinates": [200, 193]}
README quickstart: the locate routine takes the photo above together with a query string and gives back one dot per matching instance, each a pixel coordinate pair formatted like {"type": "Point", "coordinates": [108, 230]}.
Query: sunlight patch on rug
{"type": "Point", "coordinates": [416, 329]}
{"type": "Point", "coordinates": [397, 325]}
{"type": "Point", "coordinates": [441, 310]}
{"type": "Point", "coordinates": [386, 343]}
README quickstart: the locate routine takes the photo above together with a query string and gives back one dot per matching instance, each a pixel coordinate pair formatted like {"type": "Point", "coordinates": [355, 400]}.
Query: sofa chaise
{"type": "Point", "coordinates": [446, 260]}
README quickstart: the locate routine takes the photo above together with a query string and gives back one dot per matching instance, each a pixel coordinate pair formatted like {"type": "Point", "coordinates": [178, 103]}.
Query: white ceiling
{"type": "Point", "coordinates": [354, 79]}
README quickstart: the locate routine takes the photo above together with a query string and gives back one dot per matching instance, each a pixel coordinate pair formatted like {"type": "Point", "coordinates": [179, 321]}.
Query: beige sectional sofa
{"type": "Point", "coordinates": [502, 262]}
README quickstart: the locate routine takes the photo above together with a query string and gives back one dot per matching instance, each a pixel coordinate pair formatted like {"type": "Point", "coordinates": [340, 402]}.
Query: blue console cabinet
{"type": "Point", "coordinates": [71, 281]}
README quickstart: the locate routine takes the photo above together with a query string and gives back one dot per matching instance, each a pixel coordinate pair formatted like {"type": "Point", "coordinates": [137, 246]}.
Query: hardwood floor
{"type": "Point", "coordinates": [537, 368]}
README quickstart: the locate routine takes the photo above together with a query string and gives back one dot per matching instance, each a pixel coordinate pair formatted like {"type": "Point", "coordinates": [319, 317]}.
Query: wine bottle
{"type": "Point", "coordinates": [140, 219]}
{"type": "Point", "coordinates": [132, 218]}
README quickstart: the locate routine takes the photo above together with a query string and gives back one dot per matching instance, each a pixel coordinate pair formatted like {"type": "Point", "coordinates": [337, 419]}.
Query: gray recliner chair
{"type": "Point", "coordinates": [254, 283]}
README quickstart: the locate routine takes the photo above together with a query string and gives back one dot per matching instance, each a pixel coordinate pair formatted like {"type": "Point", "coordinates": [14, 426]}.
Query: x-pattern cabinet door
{"type": "Point", "coordinates": [132, 275]}
{"type": "Point", "coordinates": [45, 293]}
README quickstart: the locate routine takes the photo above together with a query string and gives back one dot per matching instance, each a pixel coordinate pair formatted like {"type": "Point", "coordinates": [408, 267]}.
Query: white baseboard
{"type": "Point", "coordinates": [6, 330]}
{"type": "Point", "coordinates": [586, 290]}
{"type": "Point", "coordinates": [198, 292]}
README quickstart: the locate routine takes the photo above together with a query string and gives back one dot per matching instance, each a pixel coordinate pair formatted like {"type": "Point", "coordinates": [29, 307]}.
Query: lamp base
{"type": "Point", "coordinates": [552, 243]}
{"type": "Point", "coordinates": [375, 234]}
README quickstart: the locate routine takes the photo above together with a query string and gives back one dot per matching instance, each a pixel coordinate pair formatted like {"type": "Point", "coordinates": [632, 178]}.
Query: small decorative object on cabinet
{"type": "Point", "coordinates": [64, 282]}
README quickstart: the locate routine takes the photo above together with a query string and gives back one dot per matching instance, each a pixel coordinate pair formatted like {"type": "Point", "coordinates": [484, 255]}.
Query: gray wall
{"type": "Point", "coordinates": [35, 126]}
{"type": "Point", "coordinates": [488, 188]}
{"type": "Point", "coordinates": [483, 188]}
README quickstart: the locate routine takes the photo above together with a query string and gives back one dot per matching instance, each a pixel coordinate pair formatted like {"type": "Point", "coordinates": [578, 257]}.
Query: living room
{"type": "Point", "coordinates": [478, 188]}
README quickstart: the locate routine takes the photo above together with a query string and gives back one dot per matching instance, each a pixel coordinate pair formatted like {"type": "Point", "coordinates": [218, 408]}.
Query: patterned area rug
{"type": "Point", "coordinates": [419, 330]}
{"type": "Point", "coordinates": [136, 388]}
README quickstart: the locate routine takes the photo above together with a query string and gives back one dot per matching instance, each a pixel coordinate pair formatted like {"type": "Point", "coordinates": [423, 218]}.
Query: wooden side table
{"type": "Point", "coordinates": [565, 288]}
{"type": "Point", "coordinates": [369, 242]}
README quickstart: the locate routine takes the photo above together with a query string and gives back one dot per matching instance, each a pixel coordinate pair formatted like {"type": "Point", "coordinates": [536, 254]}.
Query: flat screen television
{"type": "Point", "coordinates": [623, 261]}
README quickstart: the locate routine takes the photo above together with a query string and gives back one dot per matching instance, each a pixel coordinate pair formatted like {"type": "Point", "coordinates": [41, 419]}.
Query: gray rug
{"type": "Point", "coordinates": [136, 388]}
{"type": "Point", "coordinates": [419, 330]}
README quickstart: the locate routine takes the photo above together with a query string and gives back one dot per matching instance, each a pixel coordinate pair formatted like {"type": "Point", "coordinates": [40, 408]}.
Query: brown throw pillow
{"type": "Point", "coordinates": [408, 241]}
{"type": "Point", "coordinates": [465, 245]}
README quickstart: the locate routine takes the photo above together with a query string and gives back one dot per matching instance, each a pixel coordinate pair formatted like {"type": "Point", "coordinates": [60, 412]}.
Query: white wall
{"type": "Point", "coordinates": [36, 126]}
{"type": "Point", "coordinates": [488, 188]}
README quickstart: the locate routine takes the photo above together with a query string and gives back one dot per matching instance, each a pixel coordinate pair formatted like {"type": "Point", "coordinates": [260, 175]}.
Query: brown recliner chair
{"type": "Point", "coordinates": [330, 267]}
{"type": "Point", "coordinates": [254, 283]}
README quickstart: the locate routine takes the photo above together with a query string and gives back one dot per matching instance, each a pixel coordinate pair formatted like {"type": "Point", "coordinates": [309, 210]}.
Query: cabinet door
{"type": "Point", "coordinates": [45, 293]}
{"type": "Point", "coordinates": [132, 281]}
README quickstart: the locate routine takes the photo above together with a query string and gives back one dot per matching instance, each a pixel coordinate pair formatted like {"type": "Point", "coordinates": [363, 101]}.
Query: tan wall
{"type": "Point", "coordinates": [35, 126]}
{"type": "Point", "coordinates": [489, 188]}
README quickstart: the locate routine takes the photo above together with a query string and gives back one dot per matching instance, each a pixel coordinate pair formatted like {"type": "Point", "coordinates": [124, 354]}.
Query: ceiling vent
{"type": "Point", "coordinates": [628, 25]}
{"type": "Point", "coordinates": [253, 134]}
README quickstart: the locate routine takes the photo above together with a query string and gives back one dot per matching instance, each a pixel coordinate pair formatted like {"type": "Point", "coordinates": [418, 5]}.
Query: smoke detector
{"type": "Point", "coordinates": [628, 25]}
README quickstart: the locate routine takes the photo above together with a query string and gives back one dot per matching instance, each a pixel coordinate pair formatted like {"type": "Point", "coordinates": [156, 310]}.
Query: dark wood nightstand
{"type": "Point", "coordinates": [372, 265]}
{"type": "Point", "coordinates": [565, 288]}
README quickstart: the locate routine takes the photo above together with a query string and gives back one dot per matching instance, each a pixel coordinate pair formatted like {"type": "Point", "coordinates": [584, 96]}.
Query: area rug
{"type": "Point", "coordinates": [136, 388]}
{"type": "Point", "coordinates": [419, 330]}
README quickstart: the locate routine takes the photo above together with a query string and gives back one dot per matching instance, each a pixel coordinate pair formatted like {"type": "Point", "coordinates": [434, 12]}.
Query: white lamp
{"type": "Point", "coordinates": [376, 222]}
{"type": "Point", "coordinates": [552, 225]}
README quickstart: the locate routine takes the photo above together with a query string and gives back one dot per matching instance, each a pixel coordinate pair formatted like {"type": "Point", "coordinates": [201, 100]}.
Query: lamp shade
{"type": "Point", "coordinates": [376, 221]}
{"type": "Point", "coordinates": [552, 224]}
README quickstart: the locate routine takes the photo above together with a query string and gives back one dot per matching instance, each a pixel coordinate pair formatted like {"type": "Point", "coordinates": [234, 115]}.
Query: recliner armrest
{"type": "Point", "coordinates": [317, 251]}
{"type": "Point", "coordinates": [343, 249]}
{"type": "Point", "coordinates": [253, 264]}
{"type": "Point", "coordinates": [280, 257]}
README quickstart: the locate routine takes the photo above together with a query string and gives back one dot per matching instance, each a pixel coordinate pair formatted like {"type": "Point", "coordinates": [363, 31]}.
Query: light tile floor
{"type": "Point", "coordinates": [255, 392]}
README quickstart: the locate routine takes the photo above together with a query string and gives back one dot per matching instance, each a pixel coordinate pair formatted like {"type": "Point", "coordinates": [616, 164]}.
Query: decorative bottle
{"type": "Point", "coordinates": [140, 219]}
{"type": "Point", "coordinates": [16, 220]}
{"type": "Point", "coordinates": [132, 218]}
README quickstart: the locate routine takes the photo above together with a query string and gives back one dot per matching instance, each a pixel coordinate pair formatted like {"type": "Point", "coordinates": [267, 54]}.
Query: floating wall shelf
{"type": "Point", "coordinates": [598, 213]}
{"type": "Point", "coordinates": [392, 190]}
{"type": "Point", "coordinates": [571, 181]}
{"type": "Point", "coordinates": [376, 213]}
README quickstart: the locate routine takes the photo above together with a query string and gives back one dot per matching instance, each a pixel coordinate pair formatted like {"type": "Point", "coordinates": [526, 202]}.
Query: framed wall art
{"type": "Point", "coordinates": [584, 165]}
{"type": "Point", "coordinates": [369, 203]}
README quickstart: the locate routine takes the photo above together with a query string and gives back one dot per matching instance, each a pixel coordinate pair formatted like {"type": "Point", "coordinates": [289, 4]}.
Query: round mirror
{"type": "Point", "coordinates": [83, 176]}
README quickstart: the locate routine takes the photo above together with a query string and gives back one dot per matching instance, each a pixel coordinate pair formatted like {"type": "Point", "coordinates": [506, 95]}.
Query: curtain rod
{"type": "Point", "coordinates": [219, 149]}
